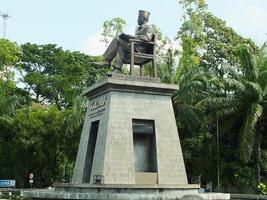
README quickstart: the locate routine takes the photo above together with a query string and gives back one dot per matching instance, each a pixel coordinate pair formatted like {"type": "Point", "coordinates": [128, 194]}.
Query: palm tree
{"type": "Point", "coordinates": [243, 90]}
{"type": "Point", "coordinates": [200, 103]}
{"type": "Point", "coordinates": [240, 94]}
{"type": "Point", "coordinates": [254, 78]}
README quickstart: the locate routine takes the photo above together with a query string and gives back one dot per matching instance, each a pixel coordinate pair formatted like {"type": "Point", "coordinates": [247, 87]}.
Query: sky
{"type": "Point", "coordinates": [76, 25]}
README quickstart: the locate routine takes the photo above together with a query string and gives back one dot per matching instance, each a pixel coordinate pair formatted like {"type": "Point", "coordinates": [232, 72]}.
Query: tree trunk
{"type": "Point", "coordinates": [258, 156]}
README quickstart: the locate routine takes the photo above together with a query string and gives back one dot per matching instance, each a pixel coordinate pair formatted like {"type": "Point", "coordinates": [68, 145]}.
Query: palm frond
{"type": "Point", "coordinates": [263, 78]}
{"type": "Point", "coordinates": [247, 131]}
{"type": "Point", "coordinates": [188, 117]}
{"type": "Point", "coordinates": [248, 64]}
{"type": "Point", "coordinates": [195, 84]}
{"type": "Point", "coordinates": [264, 161]}
{"type": "Point", "coordinates": [262, 59]}
{"type": "Point", "coordinates": [253, 91]}
{"type": "Point", "coordinates": [215, 82]}
{"type": "Point", "coordinates": [233, 84]}
{"type": "Point", "coordinates": [191, 75]}
{"type": "Point", "coordinates": [213, 104]}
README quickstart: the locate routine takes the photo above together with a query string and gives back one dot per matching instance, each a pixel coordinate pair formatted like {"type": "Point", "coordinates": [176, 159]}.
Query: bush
{"type": "Point", "coordinates": [262, 189]}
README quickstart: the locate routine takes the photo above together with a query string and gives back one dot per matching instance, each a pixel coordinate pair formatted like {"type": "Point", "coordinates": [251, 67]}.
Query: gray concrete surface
{"type": "Point", "coordinates": [115, 101]}
{"type": "Point", "coordinates": [123, 194]}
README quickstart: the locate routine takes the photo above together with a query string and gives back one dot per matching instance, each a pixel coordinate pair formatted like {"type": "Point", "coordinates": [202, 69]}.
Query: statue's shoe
{"type": "Point", "coordinates": [102, 64]}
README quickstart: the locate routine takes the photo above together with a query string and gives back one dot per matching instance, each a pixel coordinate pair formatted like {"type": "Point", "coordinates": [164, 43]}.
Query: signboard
{"type": "Point", "coordinates": [97, 107]}
{"type": "Point", "coordinates": [7, 183]}
{"type": "Point", "coordinates": [31, 178]}
{"type": "Point", "coordinates": [31, 175]}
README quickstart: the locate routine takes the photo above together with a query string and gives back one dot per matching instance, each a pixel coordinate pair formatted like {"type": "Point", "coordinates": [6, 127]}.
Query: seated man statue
{"type": "Point", "coordinates": [119, 47]}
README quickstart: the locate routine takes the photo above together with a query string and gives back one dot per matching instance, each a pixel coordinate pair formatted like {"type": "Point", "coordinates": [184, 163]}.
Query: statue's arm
{"type": "Point", "coordinates": [127, 37]}
{"type": "Point", "coordinates": [145, 35]}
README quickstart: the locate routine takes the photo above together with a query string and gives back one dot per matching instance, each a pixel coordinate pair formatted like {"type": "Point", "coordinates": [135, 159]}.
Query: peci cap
{"type": "Point", "coordinates": [144, 14]}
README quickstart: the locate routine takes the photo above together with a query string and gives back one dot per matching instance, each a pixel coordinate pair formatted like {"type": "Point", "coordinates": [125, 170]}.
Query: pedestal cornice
{"type": "Point", "coordinates": [124, 83]}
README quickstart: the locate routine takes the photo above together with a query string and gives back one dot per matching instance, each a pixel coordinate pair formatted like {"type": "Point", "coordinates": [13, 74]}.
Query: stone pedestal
{"type": "Point", "coordinates": [114, 192]}
{"type": "Point", "coordinates": [109, 151]}
{"type": "Point", "coordinates": [129, 147]}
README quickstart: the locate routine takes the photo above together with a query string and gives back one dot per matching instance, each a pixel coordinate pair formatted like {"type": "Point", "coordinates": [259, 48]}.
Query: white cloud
{"type": "Point", "coordinates": [257, 18]}
{"type": "Point", "coordinates": [249, 19]}
{"type": "Point", "coordinates": [93, 45]}
{"type": "Point", "coordinates": [250, 15]}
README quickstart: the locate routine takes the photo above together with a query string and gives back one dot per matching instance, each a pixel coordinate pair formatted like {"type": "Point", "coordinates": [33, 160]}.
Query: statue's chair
{"type": "Point", "coordinates": [136, 58]}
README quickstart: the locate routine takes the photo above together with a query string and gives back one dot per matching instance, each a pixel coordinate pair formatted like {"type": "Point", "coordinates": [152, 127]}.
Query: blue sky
{"type": "Point", "coordinates": [76, 24]}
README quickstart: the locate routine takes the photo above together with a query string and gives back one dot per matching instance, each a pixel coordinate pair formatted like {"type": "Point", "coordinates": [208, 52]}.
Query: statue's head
{"type": "Point", "coordinates": [143, 17]}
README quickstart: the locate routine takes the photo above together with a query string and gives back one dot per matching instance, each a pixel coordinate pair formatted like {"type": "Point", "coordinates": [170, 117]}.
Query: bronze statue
{"type": "Point", "coordinates": [119, 47]}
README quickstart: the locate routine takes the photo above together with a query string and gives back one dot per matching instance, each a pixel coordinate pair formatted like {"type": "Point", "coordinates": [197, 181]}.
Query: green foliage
{"type": "Point", "coordinates": [207, 41]}
{"type": "Point", "coordinates": [36, 141]}
{"type": "Point", "coordinates": [252, 79]}
{"type": "Point", "coordinates": [222, 77]}
{"type": "Point", "coordinates": [167, 56]}
{"type": "Point", "coordinates": [264, 160]}
{"type": "Point", "coordinates": [238, 175]}
{"type": "Point", "coordinates": [262, 188]}
{"type": "Point", "coordinates": [8, 100]}
{"type": "Point", "coordinates": [9, 55]}
{"type": "Point", "coordinates": [54, 75]}
{"type": "Point", "coordinates": [42, 138]}
{"type": "Point", "coordinates": [247, 131]}
{"type": "Point", "coordinates": [112, 28]}
{"type": "Point", "coordinates": [235, 99]}
{"type": "Point", "coordinates": [223, 86]}
{"type": "Point", "coordinates": [200, 4]}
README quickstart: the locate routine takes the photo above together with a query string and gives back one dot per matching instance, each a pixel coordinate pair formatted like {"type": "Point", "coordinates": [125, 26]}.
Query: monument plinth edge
{"type": "Point", "coordinates": [125, 83]}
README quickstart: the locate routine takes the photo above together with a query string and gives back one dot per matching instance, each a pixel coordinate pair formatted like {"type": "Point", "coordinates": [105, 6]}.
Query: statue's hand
{"type": "Point", "coordinates": [131, 37]}
{"type": "Point", "coordinates": [123, 36]}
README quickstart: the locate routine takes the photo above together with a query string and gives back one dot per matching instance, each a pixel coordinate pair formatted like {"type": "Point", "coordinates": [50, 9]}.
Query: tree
{"type": "Point", "coordinates": [237, 100]}
{"type": "Point", "coordinates": [255, 79]}
{"type": "Point", "coordinates": [11, 97]}
{"type": "Point", "coordinates": [112, 28]}
{"type": "Point", "coordinates": [37, 140]}
{"type": "Point", "coordinates": [214, 86]}
{"type": "Point", "coordinates": [9, 55]}
{"type": "Point", "coordinates": [43, 134]}
{"type": "Point", "coordinates": [207, 41]}
{"type": "Point", "coordinates": [55, 76]}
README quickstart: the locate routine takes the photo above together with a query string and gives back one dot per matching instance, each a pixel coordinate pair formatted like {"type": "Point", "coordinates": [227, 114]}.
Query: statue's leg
{"type": "Point", "coordinates": [111, 51]}
{"type": "Point", "coordinates": [118, 62]}
{"type": "Point", "coordinates": [124, 44]}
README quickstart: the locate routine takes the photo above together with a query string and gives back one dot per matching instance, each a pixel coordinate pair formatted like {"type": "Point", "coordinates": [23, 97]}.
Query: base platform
{"type": "Point", "coordinates": [123, 192]}
{"type": "Point", "coordinates": [114, 192]}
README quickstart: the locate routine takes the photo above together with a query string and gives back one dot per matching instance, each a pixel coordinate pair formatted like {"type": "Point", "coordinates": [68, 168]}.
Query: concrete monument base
{"type": "Point", "coordinates": [129, 147]}
{"type": "Point", "coordinates": [113, 192]}
{"type": "Point", "coordinates": [130, 134]}
{"type": "Point", "coordinates": [123, 192]}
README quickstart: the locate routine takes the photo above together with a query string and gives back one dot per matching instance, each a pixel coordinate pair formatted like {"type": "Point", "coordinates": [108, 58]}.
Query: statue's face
{"type": "Point", "coordinates": [141, 20]}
